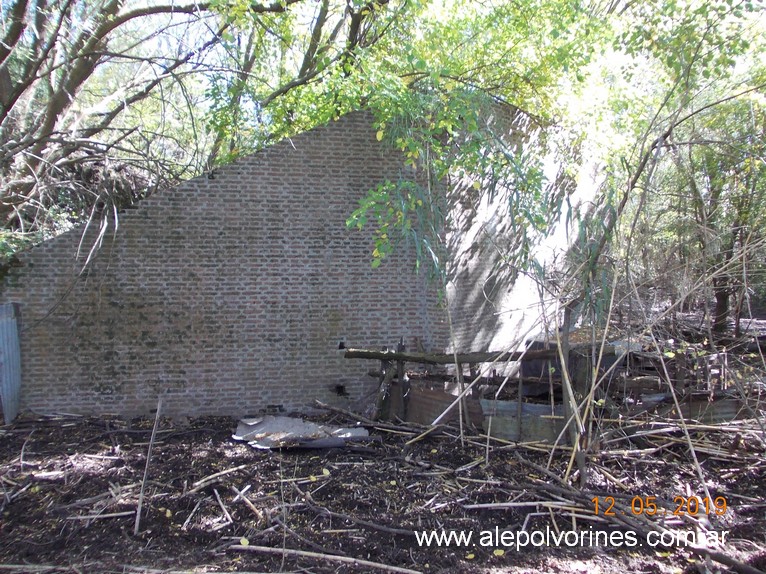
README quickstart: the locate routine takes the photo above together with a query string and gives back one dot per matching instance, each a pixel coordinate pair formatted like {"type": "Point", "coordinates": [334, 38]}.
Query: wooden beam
{"type": "Point", "coordinates": [448, 359]}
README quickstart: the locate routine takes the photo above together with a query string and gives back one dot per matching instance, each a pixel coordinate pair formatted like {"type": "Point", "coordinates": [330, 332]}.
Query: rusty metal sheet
{"type": "Point", "coordinates": [539, 422]}
{"type": "Point", "coordinates": [425, 404]}
{"type": "Point", "coordinates": [704, 411]}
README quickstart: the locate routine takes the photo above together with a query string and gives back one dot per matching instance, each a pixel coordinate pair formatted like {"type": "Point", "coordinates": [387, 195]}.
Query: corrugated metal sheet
{"type": "Point", "coordinates": [10, 361]}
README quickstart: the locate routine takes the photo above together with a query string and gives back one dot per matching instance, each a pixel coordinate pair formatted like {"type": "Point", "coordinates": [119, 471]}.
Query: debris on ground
{"type": "Point", "coordinates": [671, 448]}
{"type": "Point", "coordinates": [70, 488]}
{"type": "Point", "coordinates": [272, 431]}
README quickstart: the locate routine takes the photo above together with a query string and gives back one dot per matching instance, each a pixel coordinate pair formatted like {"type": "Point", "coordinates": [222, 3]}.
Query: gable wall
{"type": "Point", "coordinates": [495, 306]}
{"type": "Point", "coordinates": [227, 294]}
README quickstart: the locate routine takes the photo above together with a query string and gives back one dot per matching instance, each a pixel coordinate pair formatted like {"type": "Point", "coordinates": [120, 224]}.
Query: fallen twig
{"type": "Point", "coordinates": [194, 510]}
{"type": "Point", "coordinates": [24, 568]}
{"type": "Point", "coordinates": [97, 516]}
{"type": "Point", "coordinates": [349, 414]}
{"type": "Point", "coordinates": [309, 501]}
{"type": "Point", "coordinates": [506, 505]}
{"type": "Point", "coordinates": [303, 540]}
{"type": "Point", "coordinates": [23, 447]}
{"type": "Point", "coordinates": [18, 493]}
{"type": "Point", "coordinates": [208, 480]}
{"type": "Point", "coordinates": [423, 435]}
{"type": "Point", "coordinates": [298, 479]}
{"type": "Point", "coordinates": [114, 492]}
{"type": "Point", "coordinates": [146, 468]}
{"type": "Point", "coordinates": [240, 493]}
{"type": "Point", "coordinates": [542, 470]}
{"type": "Point", "coordinates": [241, 496]}
{"type": "Point", "coordinates": [223, 507]}
{"type": "Point", "coordinates": [328, 557]}
{"type": "Point", "coordinates": [409, 428]}
{"type": "Point", "coordinates": [732, 563]}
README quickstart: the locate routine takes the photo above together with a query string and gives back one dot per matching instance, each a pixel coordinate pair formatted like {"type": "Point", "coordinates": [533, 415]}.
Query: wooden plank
{"type": "Point", "coordinates": [448, 358]}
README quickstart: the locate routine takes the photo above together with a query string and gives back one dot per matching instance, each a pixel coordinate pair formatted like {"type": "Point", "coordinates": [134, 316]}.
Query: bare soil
{"type": "Point", "coordinates": [70, 489]}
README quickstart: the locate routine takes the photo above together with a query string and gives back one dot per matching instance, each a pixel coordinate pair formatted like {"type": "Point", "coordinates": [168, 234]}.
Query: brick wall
{"type": "Point", "coordinates": [228, 294]}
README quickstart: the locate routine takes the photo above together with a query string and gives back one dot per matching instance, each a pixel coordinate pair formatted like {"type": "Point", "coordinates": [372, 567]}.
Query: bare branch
{"type": "Point", "coordinates": [309, 58]}
{"type": "Point", "coordinates": [110, 116]}
{"type": "Point", "coordinates": [15, 29]}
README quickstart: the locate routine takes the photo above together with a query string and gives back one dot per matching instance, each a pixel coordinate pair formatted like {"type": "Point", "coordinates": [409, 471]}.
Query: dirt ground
{"type": "Point", "coordinates": [71, 486]}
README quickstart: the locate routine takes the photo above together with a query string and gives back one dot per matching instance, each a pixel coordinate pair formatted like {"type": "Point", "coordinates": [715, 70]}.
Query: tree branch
{"type": "Point", "coordinates": [110, 116]}
{"type": "Point", "coordinates": [309, 58]}
{"type": "Point", "coordinates": [15, 29]}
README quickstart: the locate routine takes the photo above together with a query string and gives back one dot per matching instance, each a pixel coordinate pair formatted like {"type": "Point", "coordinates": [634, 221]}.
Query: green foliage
{"type": "Point", "coordinates": [12, 242]}
{"type": "Point", "coordinates": [440, 96]}
{"type": "Point", "coordinates": [676, 82]}
{"type": "Point", "coordinates": [449, 137]}
{"type": "Point", "coordinates": [396, 209]}
{"type": "Point", "coordinates": [442, 79]}
{"type": "Point", "coordinates": [694, 40]}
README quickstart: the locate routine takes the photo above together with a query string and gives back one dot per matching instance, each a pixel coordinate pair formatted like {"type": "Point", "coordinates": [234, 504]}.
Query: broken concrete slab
{"type": "Point", "coordinates": [288, 432]}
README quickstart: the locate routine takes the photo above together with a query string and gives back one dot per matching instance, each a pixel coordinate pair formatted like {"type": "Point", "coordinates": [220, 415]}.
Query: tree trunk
{"type": "Point", "coordinates": [721, 313]}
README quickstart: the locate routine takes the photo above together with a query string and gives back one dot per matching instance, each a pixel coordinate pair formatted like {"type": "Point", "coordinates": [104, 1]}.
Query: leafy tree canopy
{"type": "Point", "coordinates": [101, 102]}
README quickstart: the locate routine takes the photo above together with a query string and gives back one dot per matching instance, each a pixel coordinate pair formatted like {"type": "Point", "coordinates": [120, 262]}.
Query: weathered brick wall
{"type": "Point", "coordinates": [227, 294]}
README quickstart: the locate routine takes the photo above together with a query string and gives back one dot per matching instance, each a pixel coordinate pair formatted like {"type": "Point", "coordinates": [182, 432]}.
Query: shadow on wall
{"type": "Point", "coordinates": [492, 303]}
{"type": "Point", "coordinates": [478, 276]}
